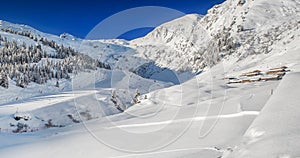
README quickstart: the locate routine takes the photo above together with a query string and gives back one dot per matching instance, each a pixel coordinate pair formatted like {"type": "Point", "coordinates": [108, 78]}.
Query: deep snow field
{"type": "Point", "coordinates": [202, 117]}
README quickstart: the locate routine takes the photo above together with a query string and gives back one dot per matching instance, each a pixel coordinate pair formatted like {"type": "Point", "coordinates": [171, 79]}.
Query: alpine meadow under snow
{"type": "Point", "coordinates": [223, 85]}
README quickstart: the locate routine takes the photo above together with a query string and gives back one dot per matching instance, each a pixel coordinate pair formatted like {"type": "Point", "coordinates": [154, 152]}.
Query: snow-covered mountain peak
{"type": "Point", "coordinates": [18, 27]}
{"type": "Point", "coordinates": [182, 26]}
{"type": "Point", "coordinates": [67, 36]}
{"type": "Point", "coordinates": [238, 28]}
{"type": "Point", "coordinates": [251, 14]}
{"type": "Point", "coordinates": [184, 20]}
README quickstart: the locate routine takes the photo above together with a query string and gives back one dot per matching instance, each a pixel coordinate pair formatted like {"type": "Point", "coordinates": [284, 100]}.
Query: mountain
{"type": "Point", "coordinates": [236, 28]}
{"type": "Point", "coordinates": [172, 44]}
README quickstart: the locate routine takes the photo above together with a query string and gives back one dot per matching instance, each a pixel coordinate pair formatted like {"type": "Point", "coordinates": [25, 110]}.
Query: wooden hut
{"type": "Point", "coordinates": [252, 73]}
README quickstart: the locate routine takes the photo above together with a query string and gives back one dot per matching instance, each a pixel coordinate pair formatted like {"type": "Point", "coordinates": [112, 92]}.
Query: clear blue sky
{"type": "Point", "coordinates": [78, 17]}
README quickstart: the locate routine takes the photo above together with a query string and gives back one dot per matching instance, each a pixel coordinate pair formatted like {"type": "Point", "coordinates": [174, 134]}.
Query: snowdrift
{"type": "Point", "coordinates": [275, 132]}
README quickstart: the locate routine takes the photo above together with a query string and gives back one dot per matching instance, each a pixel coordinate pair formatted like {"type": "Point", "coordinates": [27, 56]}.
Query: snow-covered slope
{"type": "Point", "coordinates": [79, 103]}
{"type": "Point", "coordinates": [63, 112]}
{"type": "Point", "coordinates": [173, 121]}
{"type": "Point", "coordinates": [275, 132]}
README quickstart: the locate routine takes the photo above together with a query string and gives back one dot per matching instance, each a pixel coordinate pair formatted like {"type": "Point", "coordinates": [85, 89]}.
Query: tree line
{"type": "Point", "coordinates": [23, 63]}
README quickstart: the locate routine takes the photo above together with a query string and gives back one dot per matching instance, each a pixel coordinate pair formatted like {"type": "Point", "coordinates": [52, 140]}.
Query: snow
{"type": "Point", "coordinates": [176, 116]}
{"type": "Point", "coordinates": [275, 132]}
{"type": "Point", "coordinates": [190, 110]}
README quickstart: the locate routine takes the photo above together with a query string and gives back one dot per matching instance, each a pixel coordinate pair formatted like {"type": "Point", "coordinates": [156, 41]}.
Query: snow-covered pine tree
{"type": "Point", "coordinates": [136, 98]}
{"type": "Point", "coordinates": [114, 99]}
{"type": "Point", "coordinates": [57, 84]}
{"type": "Point", "coordinates": [3, 80]}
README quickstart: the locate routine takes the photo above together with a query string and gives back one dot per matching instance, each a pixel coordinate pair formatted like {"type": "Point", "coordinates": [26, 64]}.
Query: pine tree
{"type": "Point", "coordinates": [3, 80]}
{"type": "Point", "coordinates": [57, 84]}
{"type": "Point", "coordinates": [136, 98]}
{"type": "Point", "coordinates": [114, 99]}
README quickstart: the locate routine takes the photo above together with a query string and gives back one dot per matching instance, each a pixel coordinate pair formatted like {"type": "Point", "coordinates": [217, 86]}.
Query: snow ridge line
{"type": "Point", "coordinates": [201, 118]}
{"type": "Point", "coordinates": [167, 151]}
